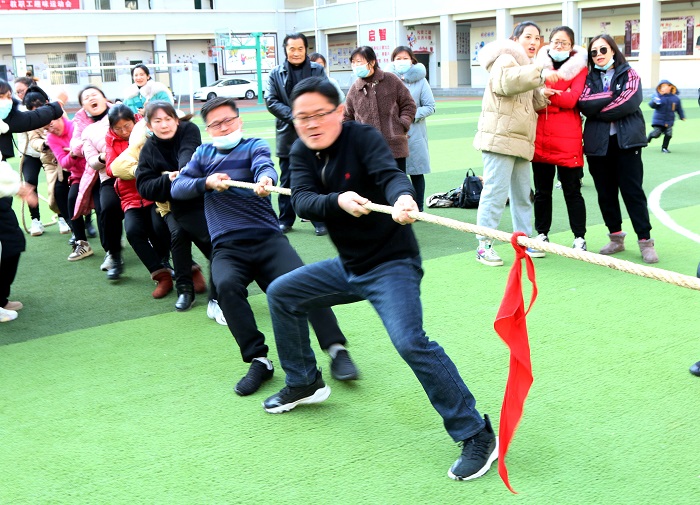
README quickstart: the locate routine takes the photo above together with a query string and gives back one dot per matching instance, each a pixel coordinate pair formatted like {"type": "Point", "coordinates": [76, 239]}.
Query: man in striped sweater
{"type": "Point", "coordinates": [246, 238]}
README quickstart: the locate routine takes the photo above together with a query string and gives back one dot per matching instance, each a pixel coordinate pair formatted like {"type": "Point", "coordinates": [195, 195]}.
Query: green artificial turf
{"type": "Point", "coordinates": [110, 396]}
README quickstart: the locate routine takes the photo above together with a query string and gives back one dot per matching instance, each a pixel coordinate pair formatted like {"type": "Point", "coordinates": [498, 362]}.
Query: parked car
{"type": "Point", "coordinates": [234, 88]}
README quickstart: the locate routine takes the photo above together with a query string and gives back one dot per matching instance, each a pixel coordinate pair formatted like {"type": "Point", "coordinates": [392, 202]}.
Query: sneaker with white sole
{"type": "Point", "coordinates": [290, 397]}
{"type": "Point", "coordinates": [81, 250]}
{"type": "Point", "coordinates": [214, 312]}
{"type": "Point", "coordinates": [537, 253]}
{"type": "Point", "coordinates": [108, 263]}
{"type": "Point", "coordinates": [486, 255]}
{"type": "Point", "coordinates": [478, 453]}
{"type": "Point", "coordinates": [37, 228]}
{"type": "Point", "coordinates": [63, 227]}
{"type": "Point", "coordinates": [579, 244]}
{"type": "Point", "coordinates": [7, 315]}
{"type": "Point", "coordinates": [13, 305]}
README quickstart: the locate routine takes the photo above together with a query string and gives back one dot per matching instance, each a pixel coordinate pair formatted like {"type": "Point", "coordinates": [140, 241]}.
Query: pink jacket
{"type": "Point", "coordinates": [94, 144]}
{"type": "Point", "coordinates": [76, 166]}
{"type": "Point", "coordinates": [82, 121]}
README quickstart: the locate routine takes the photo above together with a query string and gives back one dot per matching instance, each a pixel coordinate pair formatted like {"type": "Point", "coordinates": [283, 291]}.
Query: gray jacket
{"type": "Point", "coordinates": [279, 106]}
{"type": "Point", "coordinates": [418, 161]}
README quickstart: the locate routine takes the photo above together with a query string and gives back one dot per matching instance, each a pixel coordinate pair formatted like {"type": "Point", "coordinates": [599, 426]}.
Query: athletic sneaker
{"type": "Point", "coordinates": [257, 374]}
{"type": "Point", "coordinates": [478, 453]}
{"type": "Point", "coordinates": [63, 227]}
{"type": "Point", "coordinates": [214, 312]}
{"type": "Point", "coordinates": [342, 367]}
{"type": "Point", "coordinates": [37, 228]}
{"type": "Point", "coordinates": [537, 253]}
{"type": "Point", "coordinates": [289, 397]}
{"type": "Point", "coordinates": [486, 255]}
{"type": "Point", "coordinates": [81, 250]}
{"type": "Point", "coordinates": [90, 230]}
{"type": "Point", "coordinates": [580, 244]}
{"type": "Point", "coordinates": [108, 263]}
{"type": "Point", "coordinates": [7, 315]}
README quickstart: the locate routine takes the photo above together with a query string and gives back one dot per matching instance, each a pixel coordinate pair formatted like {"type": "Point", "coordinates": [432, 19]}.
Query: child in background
{"type": "Point", "coordinates": [666, 104]}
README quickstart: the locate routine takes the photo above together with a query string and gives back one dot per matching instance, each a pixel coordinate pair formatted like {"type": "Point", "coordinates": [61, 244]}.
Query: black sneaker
{"type": "Point", "coordinates": [664, 150]}
{"type": "Point", "coordinates": [257, 374]}
{"type": "Point", "coordinates": [342, 367]}
{"type": "Point", "coordinates": [478, 452]}
{"type": "Point", "coordinates": [290, 397]}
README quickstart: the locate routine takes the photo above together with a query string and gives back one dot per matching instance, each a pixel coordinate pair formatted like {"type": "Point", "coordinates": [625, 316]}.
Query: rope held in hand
{"type": "Point", "coordinates": [684, 281]}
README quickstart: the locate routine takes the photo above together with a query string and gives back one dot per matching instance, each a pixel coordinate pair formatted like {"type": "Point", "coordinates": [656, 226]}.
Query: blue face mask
{"type": "Point", "coordinates": [227, 141]}
{"type": "Point", "coordinates": [5, 108]}
{"type": "Point", "coordinates": [558, 56]}
{"type": "Point", "coordinates": [402, 66]}
{"type": "Point", "coordinates": [607, 65]}
{"type": "Point", "coordinates": [361, 71]}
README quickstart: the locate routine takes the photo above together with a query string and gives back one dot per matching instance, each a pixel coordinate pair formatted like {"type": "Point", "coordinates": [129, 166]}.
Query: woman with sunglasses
{"type": "Point", "coordinates": [613, 137]}
{"type": "Point", "coordinates": [559, 132]}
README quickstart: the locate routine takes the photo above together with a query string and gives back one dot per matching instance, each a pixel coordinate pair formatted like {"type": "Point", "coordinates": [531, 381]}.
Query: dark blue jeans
{"type": "Point", "coordinates": [393, 289]}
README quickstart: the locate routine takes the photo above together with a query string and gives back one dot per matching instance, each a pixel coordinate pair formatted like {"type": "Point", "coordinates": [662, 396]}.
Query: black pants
{"type": "Point", "coordinates": [401, 163]}
{"type": "Point", "coordinates": [181, 244]}
{"type": "Point", "coordinates": [418, 182]}
{"type": "Point", "coordinates": [31, 167]}
{"type": "Point", "coordinates": [8, 271]}
{"type": "Point", "coordinates": [60, 193]}
{"type": "Point", "coordinates": [110, 219]}
{"type": "Point", "coordinates": [77, 225]}
{"type": "Point", "coordinates": [656, 133]}
{"type": "Point", "coordinates": [235, 265]}
{"type": "Point", "coordinates": [144, 230]}
{"type": "Point", "coordinates": [286, 211]}
{"type": "Point", "coordinates": [543, 174]}
{"type": "Point", "coordinates": [621, 171]}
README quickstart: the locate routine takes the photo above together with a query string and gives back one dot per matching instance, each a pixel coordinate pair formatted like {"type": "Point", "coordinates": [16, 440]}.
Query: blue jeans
{"type": "Point", "coordinates": [393, 289]}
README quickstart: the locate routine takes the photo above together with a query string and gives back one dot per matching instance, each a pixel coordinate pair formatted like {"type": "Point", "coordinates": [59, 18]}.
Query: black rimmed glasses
{"type": "Point", "coordinates": [561, 43]}
{"type": "Point", "coordinates": [602, 50]}
{"type": "Point", "coordinates": [220, 125]}
{"type": "Point", "coordinates": [321, 116]}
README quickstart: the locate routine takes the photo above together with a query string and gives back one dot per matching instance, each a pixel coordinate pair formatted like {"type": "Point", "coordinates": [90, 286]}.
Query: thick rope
{"type": "Point", "coordinates": [684, 281]}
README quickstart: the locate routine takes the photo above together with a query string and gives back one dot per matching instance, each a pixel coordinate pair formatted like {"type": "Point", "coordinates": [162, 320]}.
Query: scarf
{"type": "Point", "coordinates": [294, 75]}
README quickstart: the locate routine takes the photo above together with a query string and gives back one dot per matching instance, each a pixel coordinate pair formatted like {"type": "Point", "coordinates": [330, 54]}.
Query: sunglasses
{"type": "Point", "coordinates": [603, 50]}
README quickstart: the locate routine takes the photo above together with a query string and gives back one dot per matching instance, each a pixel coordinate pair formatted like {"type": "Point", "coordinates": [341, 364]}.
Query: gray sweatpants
{"type": "Point", "coordinates": [505, 177]}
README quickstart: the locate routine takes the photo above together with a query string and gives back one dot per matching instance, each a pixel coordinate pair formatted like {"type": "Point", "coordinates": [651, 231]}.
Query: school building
{"type": "Point", "coordinates": [189, 43]}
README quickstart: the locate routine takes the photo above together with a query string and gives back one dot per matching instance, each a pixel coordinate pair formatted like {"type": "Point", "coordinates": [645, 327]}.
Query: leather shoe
{"type": "Point", "coordinates": [116, 271]}
{"type": "Point", "coordinates": [285, 228]}
{"type": "Point", "coordinates": [185, 300]}
{"type": "Point", "coordinates": [695, 369]}
{"type": "Point", "coordinates": [321, 231]}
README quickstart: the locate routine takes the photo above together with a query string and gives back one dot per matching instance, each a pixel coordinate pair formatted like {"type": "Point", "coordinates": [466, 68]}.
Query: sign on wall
{"type": "Point", "coordinates": [480, 37]}
{"type": "Point", "coordinates": [238, 59]}
{"type": "Point", "coordinates": [44, 5]}
{"type": "Point", "coordinates": [379, 37]}
{"type": "Point", "coordinates": [420, 40]}
{"type": "Point", "coordinates": [339, 54]}
{"type": "Point", "coordinates": [677, 36]}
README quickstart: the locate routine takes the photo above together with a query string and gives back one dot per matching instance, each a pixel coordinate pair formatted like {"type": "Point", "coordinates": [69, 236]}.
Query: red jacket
{"type": "Point", "coordinates": [559, 138]}
{"type": "Point", "coordinates": [126, 190]}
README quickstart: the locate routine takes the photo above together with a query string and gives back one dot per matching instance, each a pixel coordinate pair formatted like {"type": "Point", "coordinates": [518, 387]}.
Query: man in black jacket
{"type": "Point", "coordinates": [336, 169]}
{"type": "Point", "coordinates": [281, 82]}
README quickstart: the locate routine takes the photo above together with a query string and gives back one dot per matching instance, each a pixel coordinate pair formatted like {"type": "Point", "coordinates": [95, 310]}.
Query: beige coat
{"type": "Point", "coordinates": [508, 120]}
{"type": "Point", "coordinates": [36, 140]}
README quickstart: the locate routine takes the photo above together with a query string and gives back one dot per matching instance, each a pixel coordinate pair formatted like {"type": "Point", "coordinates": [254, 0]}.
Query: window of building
{"type": "Point", "coordinates": [131, 4]}
{"type": "Point", "coordinates": [108, 59]}
{"type": "Point", "coordinates": [63, 61]}
{"type": "Point", "coordinates": [197, 4]}
{"type": "Point", "coordinates": [102, 5]}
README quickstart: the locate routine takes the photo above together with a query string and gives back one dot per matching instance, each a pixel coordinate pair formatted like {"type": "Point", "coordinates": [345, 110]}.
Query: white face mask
{"type": "Point", "coordinates": [558, 56]}
{"type": "Point", "coordinates": [227, 141]}
{"type": "Point", "coordinates": [5, 107]}
{"type": "Point", "coordinates": [402, 66]}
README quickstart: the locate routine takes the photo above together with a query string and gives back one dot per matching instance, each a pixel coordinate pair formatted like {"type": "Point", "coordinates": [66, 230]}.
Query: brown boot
{"type": "Point", "coordinates": [648, 253]}
{"type": "Point", "coordinates": [616, 244]}
{"type": "Point", "coordinates": [200, 285]}
{"type": "Point", "coordinates": [165, 282]}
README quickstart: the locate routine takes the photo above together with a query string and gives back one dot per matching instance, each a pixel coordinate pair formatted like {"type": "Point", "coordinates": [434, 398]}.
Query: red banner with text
{"type": "Point", "coordinates": [44, 5]}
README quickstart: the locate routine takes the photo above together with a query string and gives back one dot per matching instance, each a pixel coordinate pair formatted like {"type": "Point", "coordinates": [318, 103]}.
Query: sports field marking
{"type": "Point", "coordinates": [662, 215]}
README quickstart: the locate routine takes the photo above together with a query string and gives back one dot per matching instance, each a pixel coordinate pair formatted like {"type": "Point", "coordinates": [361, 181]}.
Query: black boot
{"type": "Point", "coordinates": [185, 298]}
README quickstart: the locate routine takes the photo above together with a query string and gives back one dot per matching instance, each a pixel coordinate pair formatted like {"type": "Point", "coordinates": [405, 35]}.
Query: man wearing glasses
{"type": "Point", "coordinates": [247, 242]}
{"type": "Point", "coordinates": [282, 80]}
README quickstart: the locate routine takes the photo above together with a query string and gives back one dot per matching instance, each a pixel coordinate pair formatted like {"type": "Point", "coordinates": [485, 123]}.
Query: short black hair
{"type": "Point", "coordinates": [215, 103]}
{"type": "Point", "coordinates": [368, 54]}
{"type": "Point", "coordinates": [319, 85]}
{"type": "Point", "coordinates": [4, 87]}
{"type": "Point", "coordinates": [618, 57]}
{"type": "Point", "coordinates": [520, 28]}
{"type": "Point", "coordinates": [142, 67]}
{"type": "Point", "coordinates": [35, 97]}
{"type": "Point", "coordinates": [318, 56]}
{"type": "Point", "coordinates": [119, 112]}
{"type": "Point", "coordinates": [89, 86]}
{"type": "Point", "coordinates": [293, 36]}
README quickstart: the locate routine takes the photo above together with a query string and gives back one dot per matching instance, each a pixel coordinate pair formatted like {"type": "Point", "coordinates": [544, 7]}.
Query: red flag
{"type": "Point", "coordinates": [512, 328]}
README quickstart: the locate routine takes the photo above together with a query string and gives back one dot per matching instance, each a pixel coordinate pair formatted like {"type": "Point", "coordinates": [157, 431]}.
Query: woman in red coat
{"type": "Point", "coordinates": [558, 143]}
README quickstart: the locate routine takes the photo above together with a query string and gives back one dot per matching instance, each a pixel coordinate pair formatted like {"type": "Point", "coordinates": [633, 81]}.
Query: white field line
{"type": "Point", "coordinates": [662, 215]}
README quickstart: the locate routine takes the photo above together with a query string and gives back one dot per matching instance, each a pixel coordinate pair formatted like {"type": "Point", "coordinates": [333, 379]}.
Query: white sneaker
{"type": "Point", "coordinates": [557, 185]}
{"type": "Point", "coordinates": [7, 315]}
{"type": "Point", "coordinates": [580, 244]}
{"type": "Point", "coordinates": [108, 263]}
{"type": "Point", "coordinates": [37, 228]}
{"type": "Point", "coordinates": [486, 255]}
{"type": "Point", "coordinates": [536, 253]}
{"type": "Point", "coordinates": [81, 250]}
{"type": "Point", "coordinates": [63, 227]}
{"type": "Point", "coordinates": [214, 312]}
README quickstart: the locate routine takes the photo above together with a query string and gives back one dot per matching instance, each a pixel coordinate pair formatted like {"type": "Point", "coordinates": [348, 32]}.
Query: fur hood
{"type": "Point", "coordinates": [674, 90]}
{"type": "Point", "coordinates": [416, 73]}
{"type": "Point", "coordinates": [147, 90]}
{"type": "Point", "coordinates": [491, 51]}
{"type": "Point", "coordinates": [571, 67]}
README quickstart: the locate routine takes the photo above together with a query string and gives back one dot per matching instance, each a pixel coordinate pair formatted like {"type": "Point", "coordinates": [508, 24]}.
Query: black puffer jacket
{"type": "Point", "coordinates": [279, 105]}
{"type": "Point", "coordinates": [619, 105]}
{"type": "Point", "coordinates": [26, 121]}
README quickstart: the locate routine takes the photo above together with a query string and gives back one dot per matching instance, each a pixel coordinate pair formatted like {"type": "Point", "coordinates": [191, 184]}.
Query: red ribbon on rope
{"type": "Point", "coordinates": [511, 326]}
